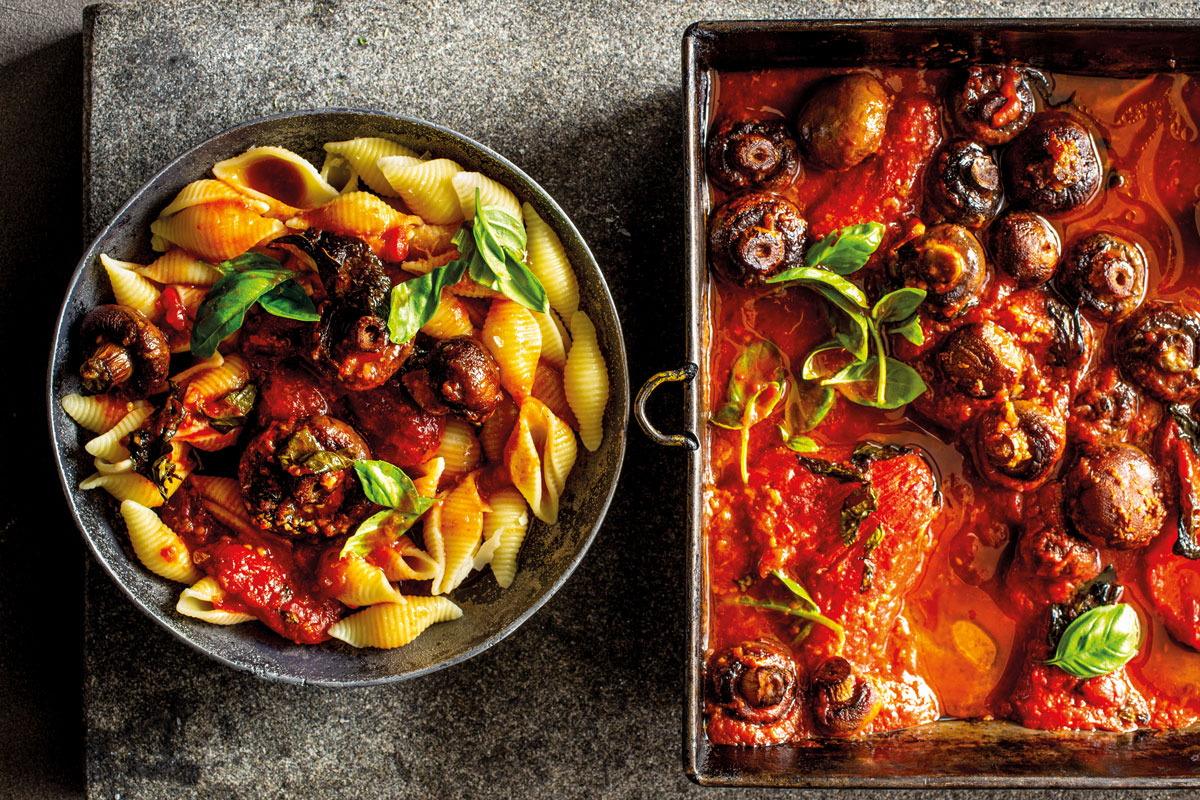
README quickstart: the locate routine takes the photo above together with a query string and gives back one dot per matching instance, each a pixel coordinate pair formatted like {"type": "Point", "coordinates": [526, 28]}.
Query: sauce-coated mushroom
{"type": "Point", "coordinates": [1159, 349]}
{"type": "Point", "coordinates": [843, 703]}
{"type": "Point", "coordinates": [982, 359]}
{"type": "Point", "coordinates": [755, 236]}
{"type": "Point", "coordinates": [946, 261]}
{"type": "Point", "coordinates": [964, 184]}
{"type": "Point", "coordinates": [753, 155]}
{"type": "Point", "coordinates": [397, 429]}
{"type": "Point", "coordinates": [457, 376]}
{"type": "Point", "coordinates": [1105, 275]}
{"type": "Point", "coordinates": [1115, 497]}
{"type": "Point", "coordinates": [1018, 444]}
{"type": "Point", "coordinates": [128, 351]}
{"type": "Point", "coordinates": [1026, 246]}
{"type": "Point", "coordinates": [1046, 547]}
{"type": "Point", "coordinates": [1052, 167]}
{"type": "Point", "coordinates": [1103, 409]}
{"type": "Point", "coordinates": [991, 104]}
{"type": "Point", "coordinates": [843, 121]}
{"type": "Point", "coordinates": [752, 693]}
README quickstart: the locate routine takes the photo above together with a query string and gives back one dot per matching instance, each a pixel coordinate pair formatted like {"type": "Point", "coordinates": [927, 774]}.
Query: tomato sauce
{"type": "Point", "coordinates": [952, 625]}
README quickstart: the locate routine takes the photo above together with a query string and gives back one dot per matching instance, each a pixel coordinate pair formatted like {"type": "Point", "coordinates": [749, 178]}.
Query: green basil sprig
{"type": "Point", "coordinates": [248, 279]}
{"type": "Point", "coordinates": [1098, 641]}
{"type": "Point", "coordinates": [803, 607]}
{"type": "Point", "coordinates": [415, 301]}
{"type": "Point", "coordinates": [386, 485]}
{"type": "Point", "coordinates": [847, 250]}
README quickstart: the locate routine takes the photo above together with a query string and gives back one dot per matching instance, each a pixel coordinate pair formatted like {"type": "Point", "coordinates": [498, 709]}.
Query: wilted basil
{"type": "Point", "coordinates": [804, 607]}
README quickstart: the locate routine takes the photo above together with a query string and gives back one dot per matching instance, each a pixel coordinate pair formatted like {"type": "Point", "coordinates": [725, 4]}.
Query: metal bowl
{"type": "Point", "coordinates": [489, 613]}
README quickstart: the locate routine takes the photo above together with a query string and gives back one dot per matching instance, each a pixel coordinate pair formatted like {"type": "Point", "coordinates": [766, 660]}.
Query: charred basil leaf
{"type": "Point", "coordinates": [842, 473]}
{"type": "Point", "coordinates": [867, 453]}
{"type": "Point", "coordinates": [1186, 544]}
{"type": "Point", "coordinates": [1099, 641]}
{"type": "Point", "coordinates": [299, 447]}
{"type": "Point", "coordinates": [240, 403]}
{"type": "Point", "coordinates": [872, 542]}
{"type": "Point", "coordinates": [861, 504]}
{"type": "Point", "coordinates": [328, 461]}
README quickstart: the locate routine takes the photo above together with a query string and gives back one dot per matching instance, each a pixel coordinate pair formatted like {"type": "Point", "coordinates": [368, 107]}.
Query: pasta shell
{"type": "Point", "coordinates": [497, 428]}
{"type": "Point", "coordinates": [131, 289]}
{"type": "Point", "coordinates": [125, 486]}
{"type": "Point", "coordinates": [459, 448]}
{"type": "Point", "coordinates": [449, 320]}
{"type": "Point", "coordinates": [540, 453]}
{"type": "Point", "coordinates": [278, 177]}
{"type": "Point", "coordinates": [364, 154]}
{"type": "Point", "coordinates": [548, 261]}
{"type": "Point", "coordinates": [423, 266]}
{"type": "Point", "coordinates": [223, 499]}
{"type": "Point", "coordinates": [206, 385]}
{"type": "Point", "coordinates": [217, 232]}
{"type": "Point", "coordinates": [338, 173]}
{"type": "Point", "coordinates": [356, 214]}
{"type": "Point", "coordinates": [366, 584]}
{"type": "Point", "coordinates": [555, 339]}
{"type": "Point", "coordinates": [389, 625]}
{"type": "Point", "coordinates": [427, 475]}
{"type": "Point", "coordinates": [461, 526]}
{"type": "Point", "coordinates": [108, 445]}
{"type": "Point", "coordinates": [548, 387]}
{"type": "Point", "coordinates": [158, 547]}
{"type": "Point", "coordinates": [404, 561]}
{"type": "Point", "coordinates": [508, 521]}
{"type": "Point", "coordinates": [200, 601]}
{"type": "Point", "coordinates": [491, 194]}
{"type": "Point", "coordinates": [512, 336]}
{"type": "Point", "coordinates": [210, 191]}
{"type": "Point", "coordinates": [180, 267]}
{"type": "Point", "coordinates": [428, 240]}
{"type": "Point", "coordinates": [585, 379]}
{"type": "Point", "coordinates": [98, 413]}
{"type": "Point", "coordinates": [426, 187]}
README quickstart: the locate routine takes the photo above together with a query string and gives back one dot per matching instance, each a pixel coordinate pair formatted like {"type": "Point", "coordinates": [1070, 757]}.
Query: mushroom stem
{"type": "Point", "coordinates": [109, 366]}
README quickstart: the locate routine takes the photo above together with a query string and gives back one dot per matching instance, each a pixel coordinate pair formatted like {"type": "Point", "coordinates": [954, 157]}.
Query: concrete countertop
{"type": "Point", "coordinates": [586, 698]}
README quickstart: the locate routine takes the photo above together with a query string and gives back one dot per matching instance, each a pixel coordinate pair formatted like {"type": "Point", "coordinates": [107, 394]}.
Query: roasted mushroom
{"type": "Point", "coordinates": [1103, 409]}
{"type": "Point", "coordinates": [1104, 274]}
{"type": "Point", "coordinates": [991, 104]}
{"type": "Point", "coordinates": [755, 236]}
{"type": "Point", "coordinates": [1052, 167]}
{"type": "Point", "coordinates": [751, 693]}
{"type": "Point", "coordinates": [982, 359]}
{"type": "Point", "coordinates": [948, 263]}
{"type": "Point", "coordinates": [397, 429]}
{"type": "Point", "coordinates": [1115, 497]}
{"type": "Point", "coordinates": [127, 351]}
{"type": "Point", "coordinates": [1071, 335]}
{"type": "Point", "coordinates": [1018, 444]}
{"type": "Point", "coordinates": [1026, 246]}
{"type": "Point", "coordinates": [843, 703]}
{"type": "Point", "coordinates": [964, 184]}
{"type": "Point", "coordinates": [290, 393]}
{"type": "Point", "coordinates": [753, 155]}
{"type": "Point", "coordinates": [297, 478]}
{"type": "Point", "coordinates": [1046, 547]}
{"type": "Point", "coordinates": [457, 376]}
{"type": "Point", "coordinates": [843, 121]}
{"type": "Point", "coordinates": [1159, 349]}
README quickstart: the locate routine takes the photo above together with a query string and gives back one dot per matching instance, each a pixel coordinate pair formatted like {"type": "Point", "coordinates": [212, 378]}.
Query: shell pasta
{"type": "Point", "coordinates": [334, 398]}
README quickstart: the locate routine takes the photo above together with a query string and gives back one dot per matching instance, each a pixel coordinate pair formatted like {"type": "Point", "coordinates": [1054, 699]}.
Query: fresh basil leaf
{"type": "Point", "coordinates": [847, 250]}
{"type": "Point", "coordinates": [508, 231]}
{"type": "Point", "coordinates": [898, 306]}
{"type": "Point", "coordinates": [849, 325]}
{"type": "Point", "coordinates": [814, 277]}
{"type": "Point", "coordinates": [415, 301]}
{"type": "Point", "coordinates": [386, 485]}
{"type": "Point", "coordinates": [1098, 641]}
{"type": "Point", "coordinates": [854, 372]}
{"type": "Point", "coordinates": [758, 365]}
{"type": "Point", "coordinates": [224, 307]}
{"type": "Point", "coordinates": [361, 540]}
{"type": "Point", "coordinates": [799, 444]}
{"type": "Point", "coordinates": [524, 287]}
{"type": "Point", "coordinates": [903, 384]}
{"type": "Point", "coordinates": [247, 261]}
{"type": "Point", "coordinates": [806, 405]}
{"type": "Point", "coordinates": [811, 616]}
{"type": "Point", "coordinates": [797, 589]}
{"type": "Point", "coordinates": [289, 300]}
{"type": "Point", "coordinates": [911, 330]}
{"type": "Point", "coordinates": [495, 259]}
{"type": "Point", "coordinates": [812, 370]}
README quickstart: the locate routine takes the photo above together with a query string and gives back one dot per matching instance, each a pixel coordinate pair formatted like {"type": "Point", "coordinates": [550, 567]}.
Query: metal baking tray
{"type": "Point", "coordinates": [946, 753]}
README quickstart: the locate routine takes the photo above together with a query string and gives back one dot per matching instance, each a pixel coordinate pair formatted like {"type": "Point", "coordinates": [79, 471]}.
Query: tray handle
{"type": "Point", "coordinates": [686, 439]}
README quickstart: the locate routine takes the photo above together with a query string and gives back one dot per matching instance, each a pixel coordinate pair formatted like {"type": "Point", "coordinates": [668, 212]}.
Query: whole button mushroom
{"type": "Point", "coordinates": [946, 261]}
{"type": "Point", "coordinates": [843, 121]}
{"type": "Point", "coordinates": [1026, 246]}
{"type": "Point", "coordinates": [128, 351]}
{"type": "Point", "coordinates": [1159, 349]}
{"type": "Point", "coordinates": [753, 155]}
{"type": "Point", "coordinates": [1105, 275]}
{"type": "Point", "coordinates": [991, 104]}
{"type": "Point", "coordinates": [964, 185]}
{"type": "Point", "coordinates": [1052, 166]}
{"type": "Point", "coordinates": [1115, 497]}
{"type": "Point", "coordinates": [843, 703]}
{"type": "Point", "coordinates": [753, 684]}
{"type": "Point", "coordinates": [981, 360]}
{"type": "Point", "coordinates": [458, 376]}
{"type": "Point", "coordinates": [1017, 445]}
{"type": "Point", "coordinates": [755, 236]}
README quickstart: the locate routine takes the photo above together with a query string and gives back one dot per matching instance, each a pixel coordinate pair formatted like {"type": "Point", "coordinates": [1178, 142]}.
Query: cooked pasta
{"type": "Point", "coordinates": [109, 445]}
{"type": "Point", "coordinates": [217, 231]}
{"type": "Point", "coordinates": [460, 527]}
{"type": "Point", "coordinates": [459, 447]}
{"type": "Point", "coordinates": [131, 289]}
{"type": "Point", "coordinates": [158, 547]}
{"type": "Point", "coordinates": [337, 172]}
{"type": "Point", "coordinates": [450, 319]}
{"type": "Point", "coordinates": [507, 523]}
{"type": "Point", "coordinates": [389, 625]}
{"type": "Point", "coordinates": [364, 154]}
{"type": "Point", "coordinates": [548, 261]}
{"type": "Point", "coordinates": [98, 413]}
{"type": "Point", "coordinates": [555, 339]}
{"type": "Point", "coordinates": [493, 436]}
{"type": "Point", "coordinates": [491, 193]}
{"type": "Point", "coordinates": [284, 180]}
{"type": "Point", "coordinates": [211, 191]}
{"type": "Point", "coordinates": [201, 601]}
{"type": "Point", "coordinates": [179, 267]}
{"type": "Point", "coordinates": [125, 486]}
{"type": "Point", "coordinates": [426, 188]}
{"type": "Point", "coordinates": [540, 453]}
{"type": "Point", "coordinates": [404, 561]}
{"type": "Point", "coordinates": [358, 214]}
{"type": "Point", "coordinates": [512, 335]}
{"type": "Point", "coordinates": [429, 240]}
{"type": "Point", "coordinates": [585, 380]}
{"type": "Point", "coordinates": [548, 387]}
{"type": "Point", "coordinates": [365, 584]}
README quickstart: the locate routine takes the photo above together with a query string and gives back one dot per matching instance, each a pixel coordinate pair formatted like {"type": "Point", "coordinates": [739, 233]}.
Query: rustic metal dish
{"type": "Point", "coordinates": [490, 613]}
{"type": "Point", "coordinates": [948, 753]}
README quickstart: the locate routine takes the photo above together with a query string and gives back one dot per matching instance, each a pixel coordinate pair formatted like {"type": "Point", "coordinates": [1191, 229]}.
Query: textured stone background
{"type": "Point", "coordinates": [585, 699]}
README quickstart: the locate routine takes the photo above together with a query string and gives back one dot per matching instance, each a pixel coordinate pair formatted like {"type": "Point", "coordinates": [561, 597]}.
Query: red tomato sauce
{"type": "Point", "coordinates": [952, 625]}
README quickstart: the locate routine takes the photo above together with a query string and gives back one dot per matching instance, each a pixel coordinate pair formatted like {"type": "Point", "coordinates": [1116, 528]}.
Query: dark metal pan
{"type": "Point", "coordinates": [947, 753]}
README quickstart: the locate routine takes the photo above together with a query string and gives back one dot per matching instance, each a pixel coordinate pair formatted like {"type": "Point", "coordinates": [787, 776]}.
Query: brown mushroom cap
{"type": "Point", "coordinates": [947, 262]}
{"type": "Point", "coordinates": [991, 104]}
{"type": "Point", "coordinates": [753, 155]}
{"type": "Point", "coordinates": [1115, 498]}
{"type": "Point", "coordinates": [754, 237]}
{"type": "Point", "coordinates": [1052, 166]}
{"type": "Point", "coordinates": [127, 351]}
{"type": "Point", "coordinates": [843, 703]}
{"type": "Point", "coordinates": [843, 121]}
{"type": "Point", "coordinates": [1105, 274]}
{"type": "Point", "coordinates": [964, 184]}
{"type": "Point", "coordinates": [1026, 246]}
{"type": "Point", "coordinates": [1017, 445]}
{"type": "Point", "coordinates": [753, 681]}
{"type": "Point", "coordinates": [458, 376]}
{"type": "Point", "coordinates": [1159, 349]}
{"type": "Point", "coordinates": [982, 359]}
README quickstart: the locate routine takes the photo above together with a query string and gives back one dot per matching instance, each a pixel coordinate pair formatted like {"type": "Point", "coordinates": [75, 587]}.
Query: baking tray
{"type": "Point", "coordinates": [947, 753]}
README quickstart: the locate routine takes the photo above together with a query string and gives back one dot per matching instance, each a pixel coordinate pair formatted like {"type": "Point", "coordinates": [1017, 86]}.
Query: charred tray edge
{"type": "Point", "coordinates": [948, 753]}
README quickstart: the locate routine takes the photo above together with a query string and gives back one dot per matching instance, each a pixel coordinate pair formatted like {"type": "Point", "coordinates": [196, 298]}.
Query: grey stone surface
{"type": "Point", "coordinates": [585, 699]}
